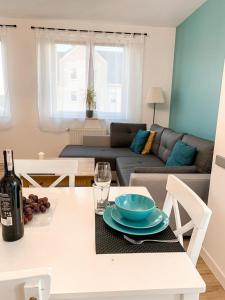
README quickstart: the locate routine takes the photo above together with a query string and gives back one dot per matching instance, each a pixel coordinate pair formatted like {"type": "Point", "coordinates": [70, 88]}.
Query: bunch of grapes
{"type": "Point", "coordinates": [32, 205]}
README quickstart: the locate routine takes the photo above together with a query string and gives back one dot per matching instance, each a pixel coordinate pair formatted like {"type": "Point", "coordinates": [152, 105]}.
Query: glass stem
{"type": "Point", "coordinates": [101, 193]}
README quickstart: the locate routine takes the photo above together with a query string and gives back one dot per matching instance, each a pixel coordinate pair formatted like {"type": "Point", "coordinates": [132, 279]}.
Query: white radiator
{"type": "Point", "coordinates": [77, 134]}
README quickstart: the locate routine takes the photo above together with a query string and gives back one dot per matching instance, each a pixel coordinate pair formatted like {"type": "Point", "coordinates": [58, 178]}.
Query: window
{"type": "Point", "coordinates": [71, 79]}
{"type": "Point", "coordinates": [2, 89]}
{"type": "Point", "coordinates": [5, 114]}
{"type": "Point", "coordinates": [73, 96]}
{"type": "Point", "coordinates": [112, 64]}
{"type": "Point", "coordinates": [109, 81]}
{"type": "Point", "coordinates": [71, 64]}
{"type": "Point", "coordinates": [73, 74]}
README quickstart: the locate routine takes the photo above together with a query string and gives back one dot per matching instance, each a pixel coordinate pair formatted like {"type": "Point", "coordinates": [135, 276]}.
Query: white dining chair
{"type": "Point", "coordinates": [58, 167]}
{"type": "Point", "coordinates": [32, 284]}
{"type": "Point", "coordinates": [179, 193]}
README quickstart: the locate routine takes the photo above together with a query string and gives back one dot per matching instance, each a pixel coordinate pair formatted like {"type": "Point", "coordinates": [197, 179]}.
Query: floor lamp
{"type": "Point", "coordinates": [154, 96]}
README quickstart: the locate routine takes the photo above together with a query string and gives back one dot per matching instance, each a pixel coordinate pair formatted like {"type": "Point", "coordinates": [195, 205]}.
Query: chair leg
{"type": "Point", "coordinates": [190, 297]}
{"type": "Point", "coordinates": [72, 181]}
{"type": "Point", "coordinates": [33, 290]}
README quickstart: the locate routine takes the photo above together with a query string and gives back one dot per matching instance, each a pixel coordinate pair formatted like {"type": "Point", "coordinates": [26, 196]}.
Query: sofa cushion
{"type": "Point", "coordinates": [139, 141]}
{"type": "Point", "coordinates": [127, 165]}
{"type": "Point", "coordinates": [203, 158]}
{"type": "Point", "coordinates": [148, 145]}
{"type": "Point", "coordinates": [99, 153]}
{"type": "Point", "coordinates": [168, 140]}
{"type": "Point", "coordinates": [122, 134]}
{"type": "Point", "coordinates": [181, 155]}
{"type": "Point", "coordinates": [159, 130]}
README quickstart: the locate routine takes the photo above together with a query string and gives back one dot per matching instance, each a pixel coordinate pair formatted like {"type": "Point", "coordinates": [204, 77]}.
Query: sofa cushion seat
{"type": "Point", "coordinates": [127, 165]}
{"type": "Point", "coordinates": [99, 153]}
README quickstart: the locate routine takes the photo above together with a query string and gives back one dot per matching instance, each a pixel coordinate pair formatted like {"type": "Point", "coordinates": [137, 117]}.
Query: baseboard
{"type": "Point", "coordinates": [213, 266]}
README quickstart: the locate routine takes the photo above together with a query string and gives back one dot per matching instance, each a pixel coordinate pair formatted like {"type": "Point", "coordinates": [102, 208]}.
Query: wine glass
{"type": "Point", "coordinates": [102, 175]}
{"type": "Point", "coordinates": [101, 186]}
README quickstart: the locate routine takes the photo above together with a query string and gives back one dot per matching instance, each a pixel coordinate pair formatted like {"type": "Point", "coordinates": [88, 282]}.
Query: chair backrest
{"type": "Point", "coordinates": [57, 167]}
{"type": "Point", "coordinates": [25, 284]}
{"type": "Point", "coordinates": [179, 193]}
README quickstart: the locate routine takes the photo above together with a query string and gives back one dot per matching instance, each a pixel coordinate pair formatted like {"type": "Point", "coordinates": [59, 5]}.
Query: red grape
{"type": "Point", "coordinates": [28, 201]}
{"type": "Point", "coordinates": [47, 205]}
{"type": "Point", "coordinates": [30, 217]}
{"type": "Point", "coordinates": [45, 200]}
{"type": "Point", "coordinates": [28, 210]}
{"type": "Point", "coordinates": [33, 204]}
{"type": "Point", "coordinates": [43, 208]}
{"type": "Point", "coordinates": [35, 198]}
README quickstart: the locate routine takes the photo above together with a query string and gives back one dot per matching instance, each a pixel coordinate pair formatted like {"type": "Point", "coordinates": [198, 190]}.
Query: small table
{"type": "Point", "coordinates": [84, 176]}
{"type": "Point", "coordinates": [67, 245]}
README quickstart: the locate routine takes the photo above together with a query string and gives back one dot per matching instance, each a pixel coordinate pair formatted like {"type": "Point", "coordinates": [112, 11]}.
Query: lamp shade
{"type": "Point", "coordinates": [155, 95]}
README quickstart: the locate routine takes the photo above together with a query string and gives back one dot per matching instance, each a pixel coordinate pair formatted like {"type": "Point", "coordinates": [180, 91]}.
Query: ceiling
{"type": "Point", "coordinates": [132, 12]}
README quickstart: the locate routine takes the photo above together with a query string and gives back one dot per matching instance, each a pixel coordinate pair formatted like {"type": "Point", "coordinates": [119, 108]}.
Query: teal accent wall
{"type": "Point", "coordinates": [198, 69]}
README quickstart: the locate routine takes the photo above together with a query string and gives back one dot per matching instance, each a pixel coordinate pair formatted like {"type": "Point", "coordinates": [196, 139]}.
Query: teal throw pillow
{"type": "Point", "coordinates": [139, 141]}
{"type": "Point", "coordinates": [181, 155]}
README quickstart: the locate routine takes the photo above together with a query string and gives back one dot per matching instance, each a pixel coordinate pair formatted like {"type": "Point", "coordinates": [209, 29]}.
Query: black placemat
{"type": "Point", "coordinates": [109, 241]}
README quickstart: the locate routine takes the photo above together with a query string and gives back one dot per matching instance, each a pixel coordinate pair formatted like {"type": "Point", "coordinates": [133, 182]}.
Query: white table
{"type": "Point", "coordinates": [67, 245]}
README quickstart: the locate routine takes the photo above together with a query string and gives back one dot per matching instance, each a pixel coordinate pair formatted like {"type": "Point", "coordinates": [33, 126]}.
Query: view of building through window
{"type": "Point", "coordinates": [109, 78]}
{"type": "Point", "coordinates": [72, 78]}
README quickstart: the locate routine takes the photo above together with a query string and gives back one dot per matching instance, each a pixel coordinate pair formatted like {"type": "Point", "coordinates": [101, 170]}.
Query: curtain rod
{"type": "Point", "coordinates": [85, 30]}
{"type": "Point", "coordinates": [1, 25]}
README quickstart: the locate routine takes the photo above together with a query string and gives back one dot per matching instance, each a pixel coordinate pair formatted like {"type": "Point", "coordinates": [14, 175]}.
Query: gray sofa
{"type": "Point", "coordinates": [107, 148]}
{"type": "Point", "coordinates": [149, 170]}
{"type": "Point", "coordinates": [115, 149]}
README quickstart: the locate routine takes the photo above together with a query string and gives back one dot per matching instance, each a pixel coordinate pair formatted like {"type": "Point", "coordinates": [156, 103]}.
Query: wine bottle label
{"type": "Point", "coordinates": [6, 210]}
{"type": "Point", "coordinates": [9, 159]}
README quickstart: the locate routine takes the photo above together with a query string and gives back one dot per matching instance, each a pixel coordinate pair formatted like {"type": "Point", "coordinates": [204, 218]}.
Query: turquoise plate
{"type": "Point", "coordinates": [152, 220]}
{"type": "Point", "coordinates": [134, 231]}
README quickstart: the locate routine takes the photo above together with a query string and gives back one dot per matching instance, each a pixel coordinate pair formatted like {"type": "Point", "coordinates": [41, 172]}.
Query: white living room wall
{"type": "Point", "coordinates": [25, 137]}
{"type": "Point", "coordinates": [214, 245]}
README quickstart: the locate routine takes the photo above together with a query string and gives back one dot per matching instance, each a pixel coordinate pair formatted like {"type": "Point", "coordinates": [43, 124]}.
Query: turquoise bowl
{"type": "Point", "coordinates": [134, 207]}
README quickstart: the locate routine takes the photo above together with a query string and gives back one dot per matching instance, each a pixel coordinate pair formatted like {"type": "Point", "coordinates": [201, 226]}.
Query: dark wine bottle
{"type": "Point", "coordinates": [11, 205]}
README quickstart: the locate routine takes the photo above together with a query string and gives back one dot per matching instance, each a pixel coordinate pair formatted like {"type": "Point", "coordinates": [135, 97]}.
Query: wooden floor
{"type": "Point", "coordinates": [214, 290]}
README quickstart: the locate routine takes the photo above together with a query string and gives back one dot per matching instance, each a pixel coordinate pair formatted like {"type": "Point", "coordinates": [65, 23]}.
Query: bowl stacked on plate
{"type": "Point", "coordinates": [136, 215]}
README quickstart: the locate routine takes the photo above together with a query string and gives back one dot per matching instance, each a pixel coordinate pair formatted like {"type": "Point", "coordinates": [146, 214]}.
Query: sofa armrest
{"type": "Point", "coordinates": [156, 185]}
{"type": "Point", "coordinates": [100, 140]}
{"type": "Point", "coordinates": [167, 170]}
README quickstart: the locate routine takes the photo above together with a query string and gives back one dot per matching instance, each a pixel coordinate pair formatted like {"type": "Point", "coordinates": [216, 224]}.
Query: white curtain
{"type": "Point", "coordinates": [5, 106]}
{"type": "Point", "coordinates": [128, 66]}
{"type": "Point", "coordinates": [113, 66]}
{"type": "Point", "coordinates": [53, 115]}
